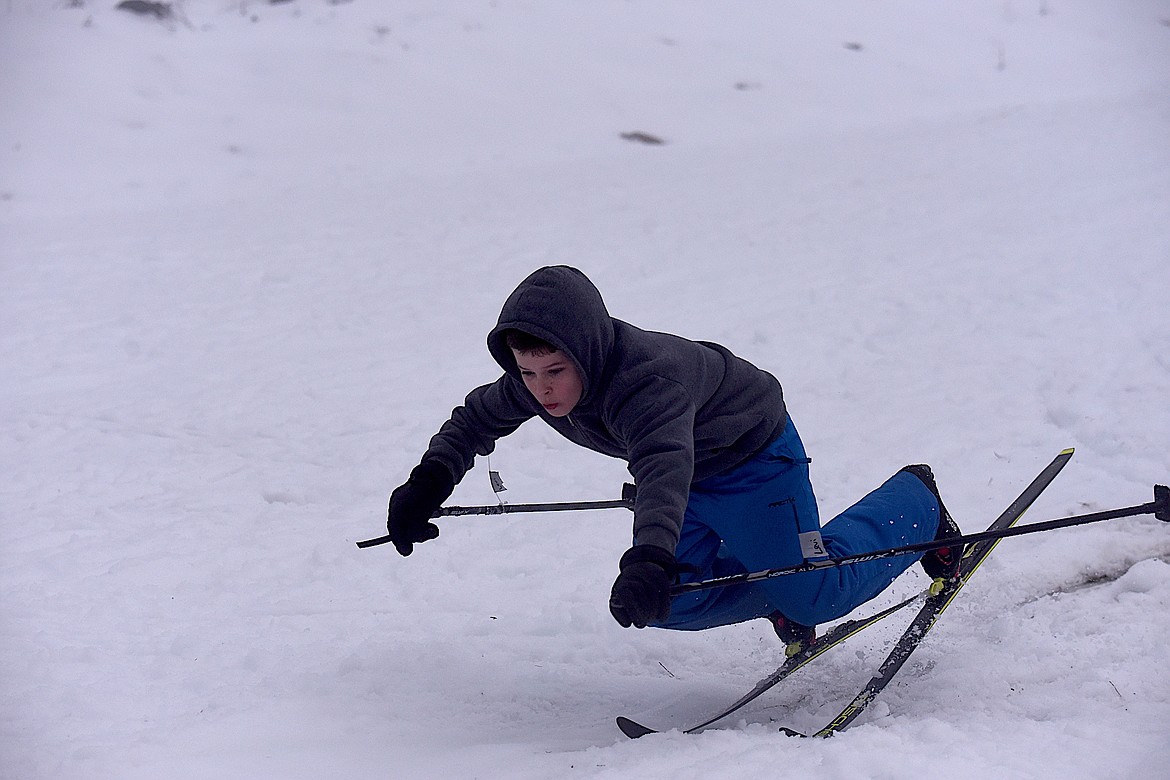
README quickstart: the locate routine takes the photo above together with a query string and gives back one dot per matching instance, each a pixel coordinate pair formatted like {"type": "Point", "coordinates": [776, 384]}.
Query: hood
{"type": "Point", "coordinates": [561, 306]}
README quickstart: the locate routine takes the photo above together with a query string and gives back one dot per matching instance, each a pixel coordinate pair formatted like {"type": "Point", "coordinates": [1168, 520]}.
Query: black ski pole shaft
{"type": "Point", "coordinates": [507, 509]}
{"type": "Point", "coordinates": [625, 502]}
{"type": "Point", "coordinates": [1159, 507]}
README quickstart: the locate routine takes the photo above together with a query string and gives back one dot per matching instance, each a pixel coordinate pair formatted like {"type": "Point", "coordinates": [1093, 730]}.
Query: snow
{"type": "Point", "coordinates": [248, 261]}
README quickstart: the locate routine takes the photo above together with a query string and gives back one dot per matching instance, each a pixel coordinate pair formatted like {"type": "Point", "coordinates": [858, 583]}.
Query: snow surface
{"type": "Point", "coordinates": [248, 260]}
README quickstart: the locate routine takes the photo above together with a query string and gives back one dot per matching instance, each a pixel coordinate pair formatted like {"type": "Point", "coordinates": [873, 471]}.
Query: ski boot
{"type": "Point", "coordinates": [795, 636]}
{"type": "Point", "coordinates": [941, 564]}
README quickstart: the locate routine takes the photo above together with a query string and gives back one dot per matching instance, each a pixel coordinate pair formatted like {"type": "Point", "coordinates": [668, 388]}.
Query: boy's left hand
{"type": "Point", "coordinates": [641, 592]}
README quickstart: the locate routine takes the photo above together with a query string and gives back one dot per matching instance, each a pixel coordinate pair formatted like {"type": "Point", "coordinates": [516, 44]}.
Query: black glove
{"type": "Point", "coordinates": [413, 504]}
{"type": "Point", "coordinates": [641, 593]}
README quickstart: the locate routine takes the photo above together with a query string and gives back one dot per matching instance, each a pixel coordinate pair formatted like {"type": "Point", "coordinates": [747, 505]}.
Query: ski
{"type": "Point", "coordinates": [847, 629]}
{"type": "Point", "coordinates": [935, 605]}
{"type": "Point", "coordinates": [835, 636]}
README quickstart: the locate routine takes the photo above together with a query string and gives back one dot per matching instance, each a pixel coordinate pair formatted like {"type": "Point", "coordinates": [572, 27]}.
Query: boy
{"type": "Point", "coordinates": [722, 475]}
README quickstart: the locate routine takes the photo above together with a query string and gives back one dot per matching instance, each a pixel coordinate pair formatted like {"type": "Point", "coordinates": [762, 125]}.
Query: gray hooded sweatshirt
{"type": "Point", "coordinates": [677, 411]}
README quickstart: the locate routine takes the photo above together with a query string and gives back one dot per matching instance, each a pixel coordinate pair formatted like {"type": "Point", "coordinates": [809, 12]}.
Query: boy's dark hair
{"type": "Point", "coordinates": [526, 342]}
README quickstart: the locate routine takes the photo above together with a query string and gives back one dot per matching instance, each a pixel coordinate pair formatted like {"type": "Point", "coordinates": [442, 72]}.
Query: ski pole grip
{"type": "Point", "coordinates": [1162, 503]}
{"type": "Point", "coordinates": [629, 493]}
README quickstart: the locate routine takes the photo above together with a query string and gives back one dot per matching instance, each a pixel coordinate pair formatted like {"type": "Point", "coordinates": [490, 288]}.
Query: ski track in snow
{"type": "Point", "coordinates": [248, 260]}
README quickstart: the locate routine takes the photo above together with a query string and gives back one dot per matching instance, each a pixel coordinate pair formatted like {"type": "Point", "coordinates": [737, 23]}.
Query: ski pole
{"type": "Point", "coordinates": [625, 502]}
{"type": "Point", "coordinates": [1159, 507]}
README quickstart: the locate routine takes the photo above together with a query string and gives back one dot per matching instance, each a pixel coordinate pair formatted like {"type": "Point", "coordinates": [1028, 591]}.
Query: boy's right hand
{"type": "Point", "coordinates": [414, 503]}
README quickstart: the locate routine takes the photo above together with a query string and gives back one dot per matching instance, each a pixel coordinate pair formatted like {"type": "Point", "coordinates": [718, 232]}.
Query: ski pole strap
{"type": "Point", "coordinates": [1159, 507]}
{"type": "Point", "coordinates": [629, 493]}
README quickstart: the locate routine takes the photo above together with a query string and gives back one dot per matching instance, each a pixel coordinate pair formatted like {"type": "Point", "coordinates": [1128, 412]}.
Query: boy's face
{"type": "Point", "coordinates": [552, 379]}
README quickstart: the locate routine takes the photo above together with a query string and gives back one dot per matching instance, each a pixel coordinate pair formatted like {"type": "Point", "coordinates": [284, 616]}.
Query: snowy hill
{"type": "Point", "coordinates": [248, 258]}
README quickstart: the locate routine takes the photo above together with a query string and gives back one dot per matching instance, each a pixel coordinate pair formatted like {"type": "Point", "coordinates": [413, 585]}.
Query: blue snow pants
{"type": "Point", "coordinates": [749, 520]}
